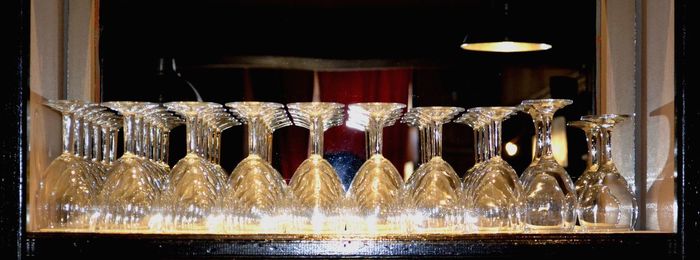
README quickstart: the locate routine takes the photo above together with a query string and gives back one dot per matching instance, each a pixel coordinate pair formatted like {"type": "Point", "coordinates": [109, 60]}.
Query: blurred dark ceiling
{"type": "Point", "coordinates": [385, 33]}
{"type": "Point", "coordinates": [208, 35]}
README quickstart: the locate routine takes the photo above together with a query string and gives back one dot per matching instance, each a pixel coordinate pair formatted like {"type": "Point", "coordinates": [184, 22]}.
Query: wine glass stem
{"type": "Point", "coordinates": [210, 145]}
{"type": "Point", "coordinates": [486, 142]}
{"type": "Point", "coordinates": [157, 143]}
{"type": "Point", "coordinates": [191, 125]}
{"type": "Point", "coordinates": [129, 134]}
{"type": "Point", "coordinates": [66, 133]}
{"type": "Point", "coordinates": [496, 142]}
{"type": "Point", "coordinates": [165, 146]}
{"type": "Point", "coordinates": [436, 139]}
{"type": "Point", "coordinates": [136, 135]}
{"type": "Point", "coordinates": [255, 131]}
{"type": "Point", "coordinates": [538, 135]}
{"type": "Point", "coordinates": [375, 137]}
{"type": "Point", "coordinates": [316, 136]}
{"type": "Point", "coordinates": [593, 141]}
{"type": "Point", "coordinates": [269, 146]}
{"type": "Point", "coordinates": [87, 146]}
{"type": "Point", "coordinates": [606, 138]}
{"type": "Point", "coordinates": [428, 142]}
{"type": "Point", "coordinates": [105, 144]}
{"type": "Point", "coordinates": [77, 142]}
{"type": "Point", "coordinates": [204, 140]}
{"type": "Point", "coordinates": [423, 144]}
{"type": "Point", "coordinates": [546, 135]}
{"type": "Point", "coordinates": [217, 147]}
{"type": "Point", "coordinates": [202, 136]}
{"type": "Point", "coordinates": [147, 140]}
{"type": "Point", "coordinates": [151, 142]}
{"type": "Point", "coordinates": [477, 153]}
{"type": "Point", "coordinates": [482, 143]}
{"type": "Point", "coordinates": [96, 143]}
{"type": "Point", "coordinates": [113, 144]}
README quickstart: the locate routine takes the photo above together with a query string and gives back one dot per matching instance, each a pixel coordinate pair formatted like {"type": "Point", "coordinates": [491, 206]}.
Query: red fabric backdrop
{"type": "Point", "coordinates": [349, 87]}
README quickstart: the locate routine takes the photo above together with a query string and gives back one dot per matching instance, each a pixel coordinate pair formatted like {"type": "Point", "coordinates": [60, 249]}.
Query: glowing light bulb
{"type": "Point", "coordinates": [511, 149]}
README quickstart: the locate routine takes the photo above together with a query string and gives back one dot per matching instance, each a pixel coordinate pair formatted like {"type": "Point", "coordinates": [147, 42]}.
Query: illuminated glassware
{"type": "Point", "coordinates": [607, 203]}
{"type": "Point", "coordinates": [493, 192]}
{"type": "Point", "coordinates": [478, 122]}
{"type": "Point", "coordinates": [143, 121]}
{"type": "Point", "coordinates": [67, 189]}
{"type": "Point", "coordinates": [550, 196]}
{"type": "Point", "coordinates": [99, 124]}
{"type": "Point", "coordinates": [213, 123]}
{"type": "Point", "coordinates": [162, 125]}
{"type": "Point", "coordinates": [84, 123]}
{"type": "Point", "coordinates": [423, 138]}
{"type": "Point", "coordinates": [256, 198]}
{"type": "Point", "coordinates": [318, 201]}
{"type": "Point", "coordinates": [194, 185]}
{"type": "Point", "coordinates": [109, 128]}
{"type": "Point", "coordinates": [375, 193]}
{"type": "Point", "coordinates": [130, 192]}
{"type": "Point", "coordinates": [433, 192]}
{"type": "Point", "coordinates": [592, 132]}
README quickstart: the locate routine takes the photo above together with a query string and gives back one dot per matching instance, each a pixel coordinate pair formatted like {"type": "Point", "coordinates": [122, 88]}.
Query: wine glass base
{"type": "Point", "coordinates": [547, 229]}
{"type": "Point", "coordinates": [603, 227]}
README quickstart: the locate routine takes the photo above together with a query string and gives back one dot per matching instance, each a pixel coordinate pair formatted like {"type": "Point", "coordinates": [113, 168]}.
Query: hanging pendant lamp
{"type": "Point", "coordinates": [500, 41]}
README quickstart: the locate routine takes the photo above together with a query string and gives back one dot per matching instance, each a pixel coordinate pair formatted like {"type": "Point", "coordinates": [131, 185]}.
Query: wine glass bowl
{"type": "Point", "coordinates": [550, 196]}
{"type": "Point", "coordinates": [130, 191]}
{"type": "Point", "coordinates": [376, 191]}
{"type": "Point", "coordinates": [67, 188]}
{"type": "Point", "coordinates": [318, 194]}
{"type": "Point", "coordinates": [492, 191]}
{"type": "Point", "coordinates": [433, 191]}
{"type": "Point", "coordinates": [607, 202]}
{"type": "Point", "coordinates": [592, 132]}
{"type": "Point", "coordinates": [194, 185]}
{"type": "Point", "coordinates": [257, 196]}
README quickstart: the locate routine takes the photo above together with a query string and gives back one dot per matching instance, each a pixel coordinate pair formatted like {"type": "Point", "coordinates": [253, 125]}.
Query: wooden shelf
{"type": "Point", "coordinates": [498, 245]}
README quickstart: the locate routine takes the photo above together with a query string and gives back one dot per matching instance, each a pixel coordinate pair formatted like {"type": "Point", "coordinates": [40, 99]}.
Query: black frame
{"type": "Point", "coordinates": [14, 238]}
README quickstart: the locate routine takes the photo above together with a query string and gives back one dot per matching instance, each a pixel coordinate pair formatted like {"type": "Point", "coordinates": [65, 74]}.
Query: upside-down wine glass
{"type": "Point", "coordinates": [550, 196]}
{"type": "Point", "coordinates": [318, 194]}
{"type": "Point", "coordinates": [194, 185]}
{"type": "Point", "coordinates": [493, 192]}
{"type": "Point", "coordinates": [592, 132]}
{"type": "Point", "coordinates": [607, 203]}
{"type": "Point", "coordinates": [131, 191]}
{"type": "Point", "coordinates": [433, 192]}
{"type": "Point", "coordinates": [256, 197]}
{"type": "Point", "coordinates": [375, 193]}
{"type": "Point", "coordinates": [67, 189]}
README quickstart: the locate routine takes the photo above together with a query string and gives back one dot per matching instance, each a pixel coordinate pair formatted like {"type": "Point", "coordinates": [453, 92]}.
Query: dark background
{"type": "Point", "coordinates": [222, 47]}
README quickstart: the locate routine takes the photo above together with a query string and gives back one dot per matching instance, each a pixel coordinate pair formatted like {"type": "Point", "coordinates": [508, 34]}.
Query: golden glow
{"type": "Point", "coordinates": [408, 169]}
{"type": "Point", "coordinates": [511, 149]}
{"type": "Point", "coordinates": [506, 46]}
{"type": "Point", "coordinates": [559, 144]}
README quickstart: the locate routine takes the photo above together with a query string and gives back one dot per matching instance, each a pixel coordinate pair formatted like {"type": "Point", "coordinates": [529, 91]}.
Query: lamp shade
{"type": "Point", "coordinates": [505, 46]}
{"type": "Point", "coordinates": [504, 35]}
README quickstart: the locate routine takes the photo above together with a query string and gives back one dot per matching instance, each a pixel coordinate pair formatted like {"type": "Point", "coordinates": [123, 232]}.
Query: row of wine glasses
{"type": "Point", "coordinates": [133, 186]}
{"type": "Point", "coordinates": [606, 201]}
{"type": "Point", "coordinates": [140, 193]}
{"type": "Point", "coordinates": [69, 185]}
